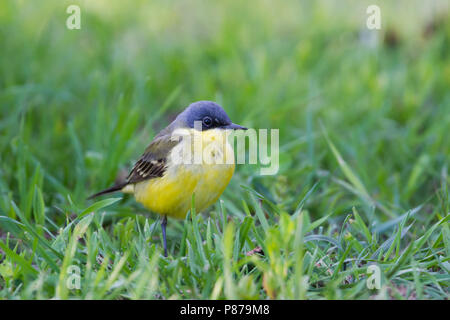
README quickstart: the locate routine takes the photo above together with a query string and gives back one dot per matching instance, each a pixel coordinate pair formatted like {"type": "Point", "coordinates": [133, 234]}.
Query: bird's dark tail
{"type": "Point", "coordinates": [114, 188]}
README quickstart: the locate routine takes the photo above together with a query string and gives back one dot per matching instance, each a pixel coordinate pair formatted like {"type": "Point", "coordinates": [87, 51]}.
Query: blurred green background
{"type": "Point", "coordinates": [77, 107]}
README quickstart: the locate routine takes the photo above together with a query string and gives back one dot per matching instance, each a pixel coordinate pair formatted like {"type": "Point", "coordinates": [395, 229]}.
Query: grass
{"type": "Point", "coordinates": [364, 149]}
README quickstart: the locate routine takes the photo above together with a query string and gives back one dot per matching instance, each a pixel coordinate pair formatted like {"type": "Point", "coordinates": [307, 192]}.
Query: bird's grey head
{"type": "Point", "coordinates": [210, 114]}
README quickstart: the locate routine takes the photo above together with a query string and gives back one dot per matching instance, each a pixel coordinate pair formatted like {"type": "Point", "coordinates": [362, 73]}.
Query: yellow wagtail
{"type": "Point", "coordinates": [165, 184]}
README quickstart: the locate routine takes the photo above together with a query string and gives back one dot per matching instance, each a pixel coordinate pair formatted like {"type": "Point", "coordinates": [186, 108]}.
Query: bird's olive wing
{"type": "Point", "coordinates": [153, 162]}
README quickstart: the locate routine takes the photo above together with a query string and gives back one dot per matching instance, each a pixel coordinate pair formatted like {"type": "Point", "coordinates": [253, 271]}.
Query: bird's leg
{"type": "Point", "coordinates": [163, 227]}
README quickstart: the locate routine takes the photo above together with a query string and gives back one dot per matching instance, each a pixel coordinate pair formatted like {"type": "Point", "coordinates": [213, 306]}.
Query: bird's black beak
{"type": "Point", "coordinates": [234, 126]}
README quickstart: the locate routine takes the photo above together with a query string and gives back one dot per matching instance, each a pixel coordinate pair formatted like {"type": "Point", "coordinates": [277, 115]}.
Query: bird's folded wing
{"type": "Point", "coordinates": [153, 162]}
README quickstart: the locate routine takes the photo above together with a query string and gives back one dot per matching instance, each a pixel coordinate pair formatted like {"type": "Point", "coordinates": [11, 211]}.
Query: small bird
{"type": "Point", "coordinates": [166, 185]}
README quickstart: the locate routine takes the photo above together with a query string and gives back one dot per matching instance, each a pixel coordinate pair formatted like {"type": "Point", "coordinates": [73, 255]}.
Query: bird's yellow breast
{"type": "Point", "coordinates": [171, 194]}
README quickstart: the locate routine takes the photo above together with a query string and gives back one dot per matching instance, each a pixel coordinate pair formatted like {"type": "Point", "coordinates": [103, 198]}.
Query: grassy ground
{"type": "Point", "coordinates": [363, 118]}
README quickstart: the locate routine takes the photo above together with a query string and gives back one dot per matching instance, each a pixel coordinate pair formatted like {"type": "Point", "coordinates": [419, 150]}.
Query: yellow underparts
{"type": "Point", "coordinates": [171, 194]}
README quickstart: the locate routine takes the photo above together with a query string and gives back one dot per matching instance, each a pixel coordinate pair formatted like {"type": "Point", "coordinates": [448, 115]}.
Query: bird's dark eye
{"type": "Point", "coordinates": [207, 121]}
